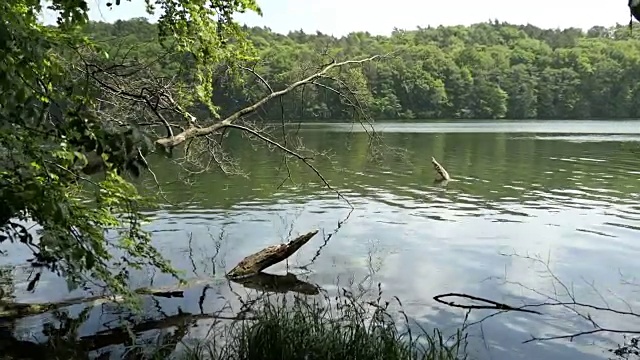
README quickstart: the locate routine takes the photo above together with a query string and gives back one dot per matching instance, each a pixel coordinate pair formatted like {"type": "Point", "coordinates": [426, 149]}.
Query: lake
{"type": "Point", "coordinates": [567, 192]}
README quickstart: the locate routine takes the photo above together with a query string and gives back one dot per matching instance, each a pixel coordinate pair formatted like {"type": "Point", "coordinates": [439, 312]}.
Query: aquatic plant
{"type": "Point", "coordinates": [344, 327]}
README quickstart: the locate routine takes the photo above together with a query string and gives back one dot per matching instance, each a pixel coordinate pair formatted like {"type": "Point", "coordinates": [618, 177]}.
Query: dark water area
{"type": "Point", "coordinates": [566, 192]}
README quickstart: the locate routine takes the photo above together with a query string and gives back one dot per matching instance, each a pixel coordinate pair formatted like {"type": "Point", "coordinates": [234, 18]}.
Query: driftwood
{"type": "Point", "coordinates": [255, 263]}
{"type": "Point", "coordinates": [277, 283]}
{"type": "Point", "coordinates": [442, 174]}
{"type": "Point", "coordinates": [12, 310]}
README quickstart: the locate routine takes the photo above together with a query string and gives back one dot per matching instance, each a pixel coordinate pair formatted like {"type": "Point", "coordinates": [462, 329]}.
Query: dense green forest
{"type": "Point", "coordinates": [484, 71]}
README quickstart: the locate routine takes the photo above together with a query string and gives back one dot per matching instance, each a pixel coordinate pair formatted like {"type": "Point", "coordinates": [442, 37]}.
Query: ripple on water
{"type": "Point", "coordinates": [576, 202]}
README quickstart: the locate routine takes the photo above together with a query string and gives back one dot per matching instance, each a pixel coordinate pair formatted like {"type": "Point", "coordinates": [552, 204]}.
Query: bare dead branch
{"type": "Point", "coordinates": [347, 99]}
{"type": "Point", "coordinates": [581, 333]}
{"type": "Point", "coordinates": [284, 134]}
{"type": "Point", "coordinates": [326, 240]}
{"type": "Point", "coordinates": [201, 131]}
{"type": "Point", "coordinates": [155, 178]}
{"type": "Point", "coordinates": [262, 80]}
{"type": "Point", "coordinates": [304, 159]}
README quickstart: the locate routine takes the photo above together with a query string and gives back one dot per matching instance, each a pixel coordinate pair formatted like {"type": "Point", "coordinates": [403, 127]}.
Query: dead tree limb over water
{"type": "Point", "coordinates": [256, 262]}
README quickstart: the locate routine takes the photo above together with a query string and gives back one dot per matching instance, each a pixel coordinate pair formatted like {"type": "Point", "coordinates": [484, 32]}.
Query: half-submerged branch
{"type": "Point", "coordinates": [11, 310]}
{"type": "Point", "coordinates": [492, 305]}
{"type": "Point", "coordinates": [256, 262]}
{"type": "Point", "coordinates": [442, 174]}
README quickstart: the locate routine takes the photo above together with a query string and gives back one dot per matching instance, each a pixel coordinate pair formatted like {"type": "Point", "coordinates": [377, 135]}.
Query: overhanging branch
{"type": "Point", "coordinates": [304, 159]}
{"type": "Point", "coordinates": [173, 141]}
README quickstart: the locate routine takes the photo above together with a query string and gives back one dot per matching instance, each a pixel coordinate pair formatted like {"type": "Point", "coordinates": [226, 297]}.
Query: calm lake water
{"type": "Point", "coordinates": [567, 191]}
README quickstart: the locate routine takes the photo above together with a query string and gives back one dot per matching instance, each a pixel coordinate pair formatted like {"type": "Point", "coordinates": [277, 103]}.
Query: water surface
{"type": "Point", "coordinates": [568, 191]}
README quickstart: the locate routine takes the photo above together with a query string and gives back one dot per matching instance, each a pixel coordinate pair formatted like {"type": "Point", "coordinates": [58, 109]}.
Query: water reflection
{"type": "Point", "coordinates": [561, 195]}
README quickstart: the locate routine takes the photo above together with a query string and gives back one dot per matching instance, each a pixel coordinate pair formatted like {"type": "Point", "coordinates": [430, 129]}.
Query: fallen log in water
{"type": "Point", "coordinates": [255, 263]}
{"type": "Point", "coordinates": [12, 310]}
{"type": "Point", "coordinates": [442, 174]}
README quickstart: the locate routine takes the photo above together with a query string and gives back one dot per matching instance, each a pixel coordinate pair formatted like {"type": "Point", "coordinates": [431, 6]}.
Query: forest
{"type": "Point", "coordinates": [85, 103]}
{"type": "Point", "coordinates": [490, 70]}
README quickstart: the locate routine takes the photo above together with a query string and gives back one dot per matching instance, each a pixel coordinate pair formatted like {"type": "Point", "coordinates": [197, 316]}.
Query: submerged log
{"type": "Point", "coordinates": [277, 283]}
{"type": "Point", "coordinates": [255, 263]}
{"type": "Point", "coordinates": [103, 338]}
{"type": "Point", "coordinates": [12, 310]}
{"type": "Point", "coordinates": [442, 174]}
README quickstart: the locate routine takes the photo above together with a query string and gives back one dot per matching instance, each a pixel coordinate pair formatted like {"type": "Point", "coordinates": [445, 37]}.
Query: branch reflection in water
{"type": "Point", "coordinates": [288, 301]}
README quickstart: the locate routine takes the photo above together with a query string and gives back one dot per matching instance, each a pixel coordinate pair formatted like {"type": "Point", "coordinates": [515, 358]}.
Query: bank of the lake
{"type": "Point", "coordinates": [566, 190]}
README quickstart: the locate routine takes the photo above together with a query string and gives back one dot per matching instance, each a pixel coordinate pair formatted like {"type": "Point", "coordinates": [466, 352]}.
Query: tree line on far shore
{"type": "Point", "coordinates": [488, 70]}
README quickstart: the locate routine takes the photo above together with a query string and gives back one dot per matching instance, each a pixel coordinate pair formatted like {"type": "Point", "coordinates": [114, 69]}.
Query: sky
{"type": "Point", "coordinates": [339, 17]}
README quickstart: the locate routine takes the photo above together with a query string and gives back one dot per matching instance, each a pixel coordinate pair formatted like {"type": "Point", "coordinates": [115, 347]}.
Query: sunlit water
{"type": "Point", "coordinates": [568, 192]}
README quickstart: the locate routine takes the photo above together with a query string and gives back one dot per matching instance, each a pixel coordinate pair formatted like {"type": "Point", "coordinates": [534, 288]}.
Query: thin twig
{"type": "Point", "coordinates": [304, 159]}
{"type": "Point", "coordinates": [495, 305]}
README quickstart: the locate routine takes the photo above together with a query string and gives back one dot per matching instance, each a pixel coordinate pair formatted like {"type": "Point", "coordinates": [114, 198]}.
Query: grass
{"type": "Point", "coordinates": [343, 328]}
{"type": "Point", "coordinates": [284, 327]}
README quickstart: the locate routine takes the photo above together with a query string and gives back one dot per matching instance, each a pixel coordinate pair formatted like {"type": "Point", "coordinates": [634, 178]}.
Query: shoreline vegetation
{"type": "Point", "coordinates": [343, 328]}
{"type": "Point", "coordinates": [491, 70]}
{"type": "Point", "coordinates": [297, 326]}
